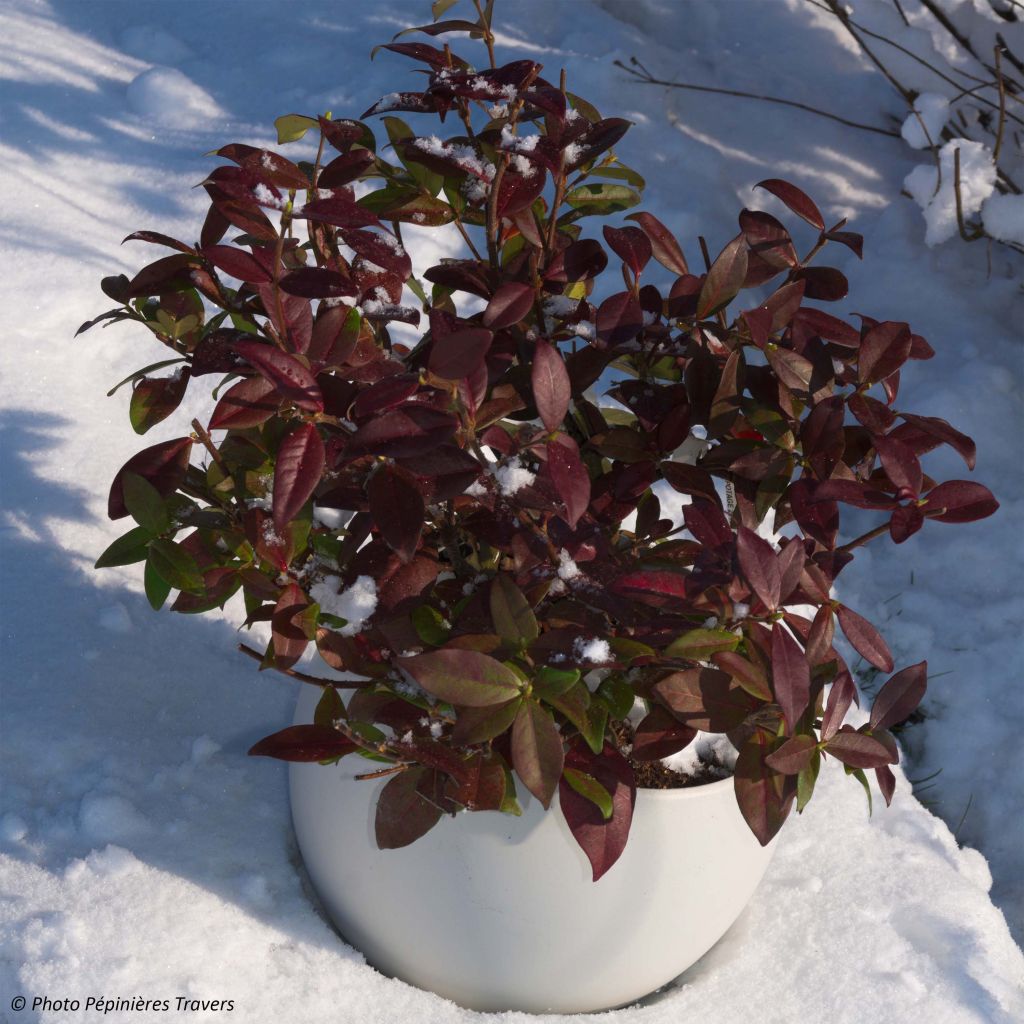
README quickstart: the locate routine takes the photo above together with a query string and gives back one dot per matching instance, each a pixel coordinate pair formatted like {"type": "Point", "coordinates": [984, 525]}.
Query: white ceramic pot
{"type": "Point", "coordinates": [499, 913]}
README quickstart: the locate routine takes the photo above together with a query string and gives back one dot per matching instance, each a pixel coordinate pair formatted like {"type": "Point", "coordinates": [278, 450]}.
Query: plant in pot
{"type": "Point", "coordinates": [570, 533]}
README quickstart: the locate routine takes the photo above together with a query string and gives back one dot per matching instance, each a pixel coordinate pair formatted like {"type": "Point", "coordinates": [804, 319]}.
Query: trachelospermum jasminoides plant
{"type": "Point", "coordinates": [503, 538]}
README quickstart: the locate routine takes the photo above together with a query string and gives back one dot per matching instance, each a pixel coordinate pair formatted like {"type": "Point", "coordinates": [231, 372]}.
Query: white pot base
{"type": "Point", "coordinates": [500, 913]}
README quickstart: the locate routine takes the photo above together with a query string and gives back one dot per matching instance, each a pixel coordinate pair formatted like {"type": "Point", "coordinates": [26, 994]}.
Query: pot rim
{"type": "Point", "coordinates": [689, 792]}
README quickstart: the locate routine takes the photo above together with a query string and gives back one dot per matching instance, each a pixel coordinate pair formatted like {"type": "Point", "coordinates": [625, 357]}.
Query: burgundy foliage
{"type": "Point", "coordinates": [529, 590]}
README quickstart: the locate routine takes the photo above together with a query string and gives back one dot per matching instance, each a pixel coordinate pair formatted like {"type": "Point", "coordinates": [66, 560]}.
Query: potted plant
{"type": "Point", "coordinates": [483, 547]}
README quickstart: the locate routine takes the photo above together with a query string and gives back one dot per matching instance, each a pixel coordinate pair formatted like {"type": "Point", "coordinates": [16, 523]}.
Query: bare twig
{"type": "Point", "coordinates": [1002, 107]}
{"type": "Point", "coordinates": [647, 78]}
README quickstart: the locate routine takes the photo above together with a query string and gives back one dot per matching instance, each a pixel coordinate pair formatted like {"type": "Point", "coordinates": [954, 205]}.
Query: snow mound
{"type": "Point", "coordinates": [1003, 217]}
{"type": "Point", "coordinates": [938, 201]}
{"type": "Point", "coordinates": [169, 97]}
{"type": "Point", "coordinates": [931, 114]}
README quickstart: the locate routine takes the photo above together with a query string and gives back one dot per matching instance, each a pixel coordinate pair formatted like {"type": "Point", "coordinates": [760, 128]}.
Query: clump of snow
{"type": "Point", "coordinates": [115, 617]}
{"type": "Point", "coordinates": [355, 604]}
{"type": "Point", "coordinates": [977, 182]}
{"type": "Point", "coordinates": [705, 750]}
{"type": "Point", "coordinates": [567, 568]}
{"type": "Point", "coordinates": [592, 649]}
{"type": "Point", "coordinates": [169, 97]}
{"type": "Point", "coordinates": [1003, 217]}
{"type": "Point", "coordinates": [931, 109]}
{"type": "Point", "coordinates": [512, 476]}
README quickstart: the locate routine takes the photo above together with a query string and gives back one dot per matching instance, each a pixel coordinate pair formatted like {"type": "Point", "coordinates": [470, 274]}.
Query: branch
{"type": "Point", "coordinates": [648, 79]}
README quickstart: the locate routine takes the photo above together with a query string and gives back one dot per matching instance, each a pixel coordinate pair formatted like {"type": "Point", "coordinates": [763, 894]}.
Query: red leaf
{"type": "Point", "coordinates": [337, 210]}
{"type": "Point", "coordinates": [537, 753]}
{"type": "Point", "coordinates": [885, 348]}
{"type": "Point", "coordinates": [842, 694]}
{"type": "Point", "coordinates": [459, 354]}
{"type": "Point", "coordinates": [403, 813]}
{"type": "Point", "coordinates": [381, 248]}
{"type": "Point", "coordinates": [899, 696]}
{"type": "Point", "coordinates": [511, 303]}
{"type": "Point", "coordinates": [824, 283]}
{"type": "Point", "coordinates": [760, 566]}
{"type": "Point", "coordinates": [237, 263]}
{"type": "Point", "coordinates": [571, 479]}
{"type": "Point", "coordinates": [725, 278]}
{"type": "Point", "coordinates": [791, 675]}
{"type": "Point", "coordinates": [300, 465]}
{"type": "Point", "coordinates": [463, 677]}
{"type": "Point", "coordinates": [602, 841]}
{"type": "Point", "coordinates": [398, 510]}
{"type": "Point", "coordinates": [744, 672]}
{"type": "Point", "coordinates": [798, 201]}
{"type": "Point", "coordinates": [405, 432]}
{"type": "Point", "coordinates": [660, 735]}
{"type": "Point", "coordinates": [959, 501]}
{"type": "Point", "coordinates": [706, 699]}
{"type": "Point", "coordinates": [905, 522]}
{"type": "Point", "coordinates": [551, 386]}
{"type": "Point", "coordinates": [317, 283]}
{"type": "Point", "coordinates": [664, 246]}
{"type": "Point", "coordinates": [303, 743]}
{"type": "Point", "coordinates": [619, 319]}
{"type": "Point", "coordinates": [581, 261]}
{"type": "Point", "coordinates": [886, 782]}
{"type": "Point", "coordinates": [345, 168]}
{"type": "Point", "coordinates": [291, 378]}
{"type": "Point", "coordinates": [794, 755]}
{"type": "Point", "coordinates": [248, 403]}
{"type": "Point", "coordinates": [941, 430]}
{"type": "Point", "coordinates": [631, 245]}
{"type": "Point", "coordinates": [764, 796]}
{"type": "Point", "coordinates": [290, 639]}
{"type": "Point", "coordinates": [858, 750]}
{"type": "Point", "coordinates": [900, 464]}
{"type": "Point", "coordinates": [164, 465]}
{"type": "Point", "coordinates": [865, 639]}
{"type": "Point", "coordinates": [769, 239]}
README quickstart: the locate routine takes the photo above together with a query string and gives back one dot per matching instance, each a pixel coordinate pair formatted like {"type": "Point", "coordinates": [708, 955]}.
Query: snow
{"type": "Point", "coordinates": [354, 604]}
{"type": "Point", "coordinates": [938, 201]}
{"type": "Point", "coordinates": [168, 97]}
{"type": "Point", "coordinates": [591, 649]}
{"type": "Point", "coordinates": [512, 476]}
{"type": "Point", "coordinates": [931, 115]}
{"type": "Point", "coordinates": [140, 850]}
{"type": "Point", "coordinates": [1003, 217]}
{"type": "Point", "coordinates": [567, 568]}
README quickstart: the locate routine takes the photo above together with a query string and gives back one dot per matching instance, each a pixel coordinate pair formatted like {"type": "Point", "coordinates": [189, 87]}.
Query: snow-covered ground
{"type": "Point", "coordinates": [141, 852]}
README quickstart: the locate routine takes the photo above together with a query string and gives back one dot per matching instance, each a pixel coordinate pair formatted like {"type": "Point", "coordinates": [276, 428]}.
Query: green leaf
{"type": "Point", "coordinates": [128, 549]}
{"type": "Point", "coordinates": [142, 373]}
{"type": "Point", "coordinates": [511, 613]}
{"type": "Point", "coordinates": [805, 781]}
{"type": "Point", "coordinates": [175, 565]}
{"type": "Point", "coordinates": [598, 199]}
{"type": "Point", "coordinates": [429, 625]}
{"type": "Point", "coordinates": [620, 172]}
{"type": "Point", "coordinates": [478, 725]}
{"type": "Point", "coordinates": [398, 131]}
{"type": "Point", "coordinates": [617, 694]}
{"type": "Point", "coordinates": [329, 708]}
{"type": "Point", "coordinates": [701, 644]}
{"type": "Point", "coordinates": [438, 7]}
{"type": "Point", "coordinates": [858, 774]}
{"type": "Point", "coordinates": [292, 127]}
{"type": "Point", "coordinates": [464, 678]}
{"type": "Point", "coordinates": [587, 786]}
{"type": "Point", "coordinates": [553, 682]}
{"type": "Point", "coordinates": [144, 504]}
{"type": "Point", "coordinates": [157, 588]}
